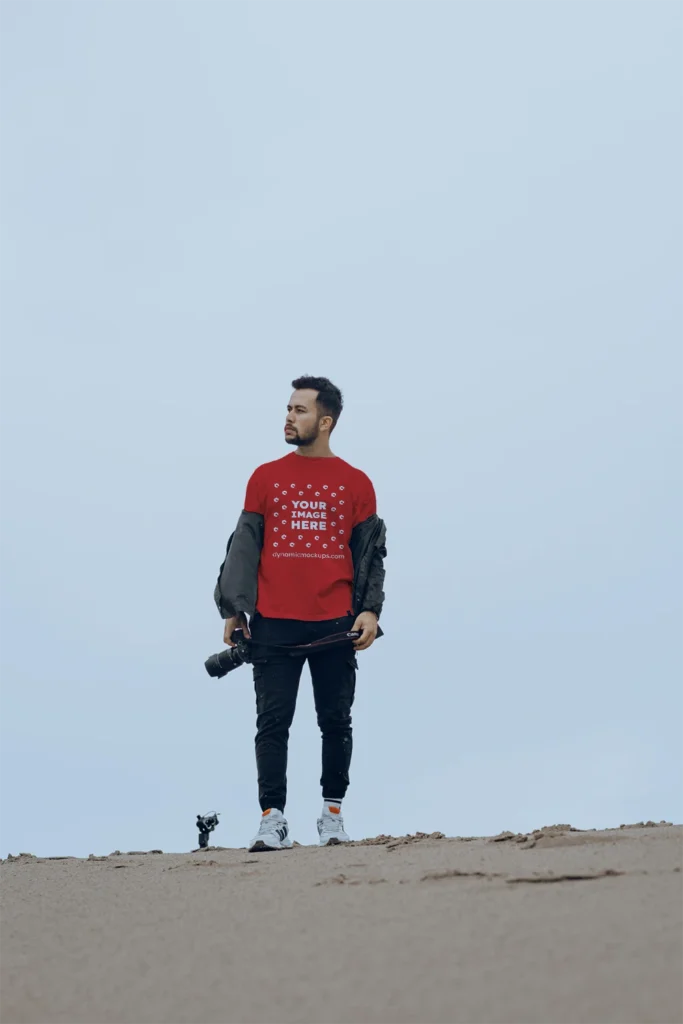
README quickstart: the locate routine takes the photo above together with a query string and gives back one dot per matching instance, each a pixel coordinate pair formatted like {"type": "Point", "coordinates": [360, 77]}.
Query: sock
{"type": "Point", "coordinates": [332, 806]}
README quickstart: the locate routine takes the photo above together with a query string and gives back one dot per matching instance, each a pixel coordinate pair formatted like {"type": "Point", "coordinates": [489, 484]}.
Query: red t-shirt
{"type": "Point", "coordinates": [309, 506]}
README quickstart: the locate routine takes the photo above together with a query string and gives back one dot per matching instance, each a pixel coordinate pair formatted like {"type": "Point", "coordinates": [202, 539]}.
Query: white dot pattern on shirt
{"type": "Point", "coordinates": [316, 537]}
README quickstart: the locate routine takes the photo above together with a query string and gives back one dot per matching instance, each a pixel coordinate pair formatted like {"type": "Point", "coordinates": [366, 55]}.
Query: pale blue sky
{"type": "Point", "coordinates": [469, 216]}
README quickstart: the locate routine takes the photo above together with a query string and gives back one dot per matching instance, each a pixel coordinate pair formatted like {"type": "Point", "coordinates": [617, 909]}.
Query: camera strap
{"type": "Point", "coordinates": [324, 644]}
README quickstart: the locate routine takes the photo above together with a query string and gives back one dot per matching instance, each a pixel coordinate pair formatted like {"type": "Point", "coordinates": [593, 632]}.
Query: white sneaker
{"type": "Point", "coordinates": [331, 828]}
{"type": "Point", "coordinates": [273, 833]}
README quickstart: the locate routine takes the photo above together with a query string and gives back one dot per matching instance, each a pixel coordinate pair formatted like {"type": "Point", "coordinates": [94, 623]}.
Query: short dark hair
{"type": "Point", "coordinates": [330, 400]}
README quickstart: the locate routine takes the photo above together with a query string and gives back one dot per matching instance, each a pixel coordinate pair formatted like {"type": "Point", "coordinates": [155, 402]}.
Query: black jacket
{"type": "Point", "coordinates": [237, 585]}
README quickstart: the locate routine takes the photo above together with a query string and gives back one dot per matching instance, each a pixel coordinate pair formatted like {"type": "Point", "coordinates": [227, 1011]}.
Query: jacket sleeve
{"type": "Point", "coordinates": [237, 585]}
{"type": "Point", "coordinates": [374, 592]}
{"type": "Point", "coordinates": [368, 550]}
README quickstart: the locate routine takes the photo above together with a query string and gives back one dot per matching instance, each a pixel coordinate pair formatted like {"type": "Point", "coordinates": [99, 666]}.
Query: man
{"type": "Point", "coordinates": [306, 561]}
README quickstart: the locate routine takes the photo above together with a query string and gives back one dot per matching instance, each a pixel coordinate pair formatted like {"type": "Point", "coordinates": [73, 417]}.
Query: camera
{"type": "Point", "coordinates": [206, 823]}
{"type": "Point", "coordinates": [218, 665]}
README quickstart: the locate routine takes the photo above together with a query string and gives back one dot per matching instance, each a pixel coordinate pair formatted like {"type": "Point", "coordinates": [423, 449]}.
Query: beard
{"type": "Point", "coordinates": [303, 441]}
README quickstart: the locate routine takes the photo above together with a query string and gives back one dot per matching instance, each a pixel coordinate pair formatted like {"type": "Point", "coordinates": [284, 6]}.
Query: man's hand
{"type": "Point", "coordinates": [233, 623]}
{"type": "Point", "coordinates": [367, 622]}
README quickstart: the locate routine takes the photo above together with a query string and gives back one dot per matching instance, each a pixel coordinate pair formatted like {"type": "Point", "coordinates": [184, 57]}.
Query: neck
{"type": "Point", "coordinates": [320, 449]}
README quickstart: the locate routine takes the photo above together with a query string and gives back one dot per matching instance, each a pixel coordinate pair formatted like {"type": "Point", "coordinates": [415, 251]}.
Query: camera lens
{"type": "Point", "coordinates": [218, 665]}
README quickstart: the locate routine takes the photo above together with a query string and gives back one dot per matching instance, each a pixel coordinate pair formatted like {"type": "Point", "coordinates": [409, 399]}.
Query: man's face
{"type": "Point", "coordinates": [302, 426]}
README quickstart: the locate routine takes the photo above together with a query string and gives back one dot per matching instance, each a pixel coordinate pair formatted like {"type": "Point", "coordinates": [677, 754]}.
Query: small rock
{"type": "Point", "coordinates": [503, 837]}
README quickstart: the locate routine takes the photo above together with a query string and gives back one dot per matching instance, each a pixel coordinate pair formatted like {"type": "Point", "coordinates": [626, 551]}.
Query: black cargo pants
{"type": "Point", "coordinates": [276, 681]}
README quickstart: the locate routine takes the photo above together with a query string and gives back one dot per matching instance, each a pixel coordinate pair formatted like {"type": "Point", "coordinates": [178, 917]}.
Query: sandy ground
{"type": "Point", "coordinates": [561, 927]}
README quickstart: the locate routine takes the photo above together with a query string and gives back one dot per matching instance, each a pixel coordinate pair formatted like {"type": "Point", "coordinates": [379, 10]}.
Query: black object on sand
{"type": "Point", "coordinates": [206, 823]}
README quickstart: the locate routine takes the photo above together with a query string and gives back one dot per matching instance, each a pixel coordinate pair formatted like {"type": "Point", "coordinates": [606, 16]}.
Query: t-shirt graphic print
{"type": "Point", "coordinates": [309, 507]}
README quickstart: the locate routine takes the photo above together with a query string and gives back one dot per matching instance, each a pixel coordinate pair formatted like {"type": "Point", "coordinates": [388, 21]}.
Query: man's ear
{"type": "Point", "coordinates": [326, 424]}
